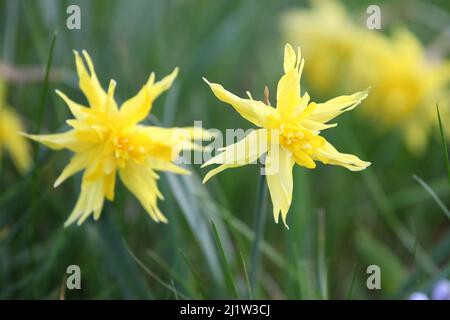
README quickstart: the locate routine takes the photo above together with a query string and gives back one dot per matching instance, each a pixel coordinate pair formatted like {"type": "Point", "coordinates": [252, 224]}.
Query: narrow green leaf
{"type": "Point", "coordinates": [45, 88]}
{"type": "Point", "coordinates": [444, 143]}
{"type": "Point", "coordinates": [352, 284]}
{"type": "Point", "coordinates": [152, 274]}
{"type": "Point", "coordinates": [226, 267]}
{"type": "Point", "coordinates": [260, 224]}
{"type": "Point", "coordinates": [321, 254]}
{"type": "Point", "coordinates": [198, 280]}
{"type": "Point", "coordinates": [433, 195]}
{"type": "Point", "coordinates": [247, 279]}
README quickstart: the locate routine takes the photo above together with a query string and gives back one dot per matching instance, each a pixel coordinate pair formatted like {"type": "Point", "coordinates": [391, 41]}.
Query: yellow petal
{"type": "Point", "coordinates": [79, 111]}
{"type": "Point", "coordinates": [329, 155]}
{"type": "Point", "coordinates": [14, 143]}
{"type": "Point", "coordinates": [246, 151]}
{"type": "Point", "coordinates": [290, 58]}
{"type": "Point", "coordinates": [89, 202]}
{"type": "Point", "coordinates": [89, 83]}
{"type": "Point", "coordinates": [288, 89]}
{"type": "Point", "coordinates": [58, 141]}
{"type": "Point", "coordinates": [142, 182]}
{"type": "Point", "coordinates": [254, 111]}
{"type": "Point", "coordinates": [110, 103]}
{"type": "Point", "coordinates": [324, 112]}
{"type": "Point", "coordinates": [110, 183]}
{"type": "Point", "coordinates": [139, 107]}
{"type": "Point", "coordinates": [78, 162]}
{"type": "Point", "coordinates": [279, 166]}
{"type": "Point", "coordinates": [161, 165]}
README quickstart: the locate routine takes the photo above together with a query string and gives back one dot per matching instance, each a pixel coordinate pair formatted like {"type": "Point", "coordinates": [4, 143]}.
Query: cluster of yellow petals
{"type": "Point", "coordinates": [107, 140]}
{"type": "Point", "coordinates": [289, 133]}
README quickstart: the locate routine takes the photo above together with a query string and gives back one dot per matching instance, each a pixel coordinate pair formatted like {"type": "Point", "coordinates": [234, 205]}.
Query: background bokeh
{"type": "Point", "coordinates": [380, 216]}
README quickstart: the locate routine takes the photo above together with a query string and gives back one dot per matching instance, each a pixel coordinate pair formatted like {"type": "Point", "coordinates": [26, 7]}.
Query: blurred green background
{"type": "Point", "coordinates": [380, 216]}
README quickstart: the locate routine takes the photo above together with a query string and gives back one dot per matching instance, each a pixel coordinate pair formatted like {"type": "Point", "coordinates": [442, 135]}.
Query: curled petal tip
{"type": "Point", "coordinates": [206, 80]}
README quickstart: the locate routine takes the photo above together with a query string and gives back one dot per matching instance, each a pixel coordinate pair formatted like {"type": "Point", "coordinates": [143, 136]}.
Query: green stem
{"type": "Point", "coordinates": [260, 224]}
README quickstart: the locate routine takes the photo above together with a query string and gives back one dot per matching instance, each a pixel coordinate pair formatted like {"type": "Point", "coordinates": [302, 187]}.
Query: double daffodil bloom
{"type": "Point", "coordinates": [289, 134]}
{"type": "Point", "coordinates": [10, 138]}
{"type": "Point", "coordinates": [107, 140]}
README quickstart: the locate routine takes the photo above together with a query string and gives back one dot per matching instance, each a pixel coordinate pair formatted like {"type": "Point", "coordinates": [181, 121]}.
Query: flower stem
{"type": "Point", "coordinates": [260, 224]}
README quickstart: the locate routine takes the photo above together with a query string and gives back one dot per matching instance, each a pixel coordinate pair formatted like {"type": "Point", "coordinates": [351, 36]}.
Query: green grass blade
{"type": "Point", "coordinates": [352, 284]}
{"type": "Point", "coordinates": [198, 280]}
{"type": "Point", "coordinates": [141, 264]}
{"type": "Point", "coordinates": [131, 282]}
{"type": "Point", "coordinates": [444, 143]}
{"type": "Point", "coordinates": [433, 195]}
{"type": "Point", "coordinates": [247, 279]}
{"type": "Point", "coordinates": [321, 254]}
{"type": "Point", "coordinates": [260, 224]}
{"type": "Point", "coordinates": [226, 266]}
{"type": "Point", "coordinates": [40, 113]}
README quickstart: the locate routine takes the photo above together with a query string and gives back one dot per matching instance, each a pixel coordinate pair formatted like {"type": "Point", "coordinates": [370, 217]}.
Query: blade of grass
{"type": "Point", "coordinates": [45, 88]}
{"type": "Point", "coordinates": [321, 254]}
{"type": "Point", "coordinates": [153, 275]}
{"type": "Point", "coordinates": [198, 280]}
{"type": "Point", "coordinates": [444, 143]}
{"type": "Point", "coordinates": [197, 222]}
{"type": "Point", "coordinates": [352, 284]}
{"type": "Point", "coordinates": [122, 268]}
{"type": "Point", "coordinates": [226, 266]}
{"type": "Point", "coordinates": [433, 195]}
{"type": "Point", "coordinates": [387, 211]}
{"type": "Point", "coordinates": [247, 279]}
{"type": "Point", "coordinates": [260, 223]}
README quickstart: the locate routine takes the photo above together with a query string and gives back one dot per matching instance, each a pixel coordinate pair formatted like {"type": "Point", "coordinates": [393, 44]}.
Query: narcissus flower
{"type": "Point", "coordinates": [407, 85]}
{"type": "Point", "coordinates": [10, 138]}
{"type": "Point", "coordinates": [289, 133]}
{"type": "Point", "coordinates": [107, 140]}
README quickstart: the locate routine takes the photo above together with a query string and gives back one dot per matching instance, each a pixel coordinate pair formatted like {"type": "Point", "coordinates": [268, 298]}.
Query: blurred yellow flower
{"type": "Point", "coordinates": [406, 83]}
{"type": "Point", "coordinates": [10, 139]}
{"type": "Point", "coordinates": [328, 38]}
{"type": "Point", "coordinates": [289, 133]}
{"type": "Point", "coordinates": [107, 140]}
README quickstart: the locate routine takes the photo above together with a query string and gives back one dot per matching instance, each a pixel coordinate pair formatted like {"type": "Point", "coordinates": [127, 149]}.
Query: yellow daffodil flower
{"type": "Point", "coordinates": [10, 138]}
{"type": "Point", "coordinates": [289, 134]}
{"type": "Point", "coordinates": [329, 40]}
{"type": "Point", "coordinates": [107, 140]}
{"type": "Point", "coordinates": [407, 85]}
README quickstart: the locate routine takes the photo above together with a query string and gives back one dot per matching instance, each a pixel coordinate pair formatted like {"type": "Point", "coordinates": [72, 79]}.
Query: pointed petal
{"type": "Point", "coordinates": [78, 162]}
{"type": "Point", "coordinates": [329, 155]}
{"type": "Point", "coordinates": [246, 151]}
{"type": "Point", "coordinates": [334, 107]}
{"type": "Point", "coordinates": [288, 89]}
{"type": "Point", "coordinates": [290, 58]}
{"type": "Point", "coordinates": [280, 182]}
{"type": "Point", "coordinates": [141, 180]}
{"type": "Point", "coordinates": [254, 111]}
{"type": "Point", "coordinates": [161, 165]}
{"type": "Point", "coordinates": [15, 143]}
{"type": "Point", "coordinates": [58, 141]}
{"type": "Point", "coordinates": [90, 201]}
{"type": "Point", "coordinates": [89, 83]}
{"type": "Point", "coordinates": [79, 111]}
{"type": "Point", "coordinates": [138, 107]}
